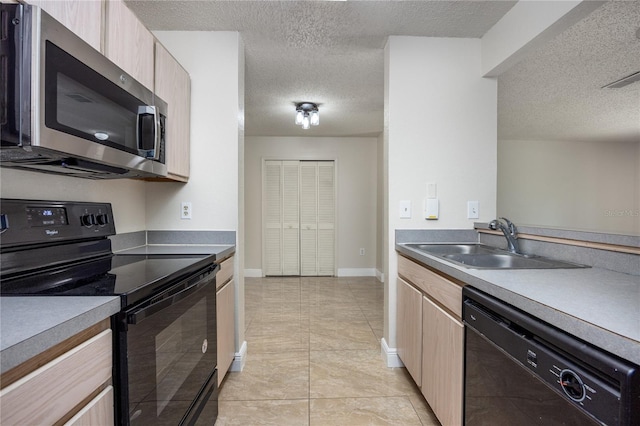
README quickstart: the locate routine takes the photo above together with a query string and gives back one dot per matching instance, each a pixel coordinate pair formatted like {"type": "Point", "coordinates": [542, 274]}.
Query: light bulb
{"type": "Point", "coordinates": [299, 117]}
{"type": "Point", "coordinates": [305, 122]}
{"type": "Point", "coordinates": [315, 118]}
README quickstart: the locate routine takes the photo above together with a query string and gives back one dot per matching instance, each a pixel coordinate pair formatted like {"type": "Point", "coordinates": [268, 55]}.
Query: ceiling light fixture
{"type": "Point", "coordinates": [307, 114]}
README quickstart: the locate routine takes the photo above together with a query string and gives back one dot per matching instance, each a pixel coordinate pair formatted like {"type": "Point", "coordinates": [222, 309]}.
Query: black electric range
{"type": "Point", "coordinates": [167, 320]}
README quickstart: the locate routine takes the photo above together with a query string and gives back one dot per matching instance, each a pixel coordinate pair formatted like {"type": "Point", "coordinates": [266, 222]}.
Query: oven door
{"type": "Point", "coordinates": [166, 355]}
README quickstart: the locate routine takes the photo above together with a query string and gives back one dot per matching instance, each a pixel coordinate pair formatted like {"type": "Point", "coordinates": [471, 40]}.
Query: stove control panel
{"type": "Point", "coordinates": [27, 222]}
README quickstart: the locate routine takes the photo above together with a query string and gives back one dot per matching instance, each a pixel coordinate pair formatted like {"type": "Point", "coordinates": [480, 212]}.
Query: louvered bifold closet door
{"type": "Point", "coordinates": [290, 218]}
{"type": "Point", "coordinates": [272, 196]}
{"type": "Point", "coordinates": [308, 218]}
{"type": "Point", "coordinates": [326, 218]}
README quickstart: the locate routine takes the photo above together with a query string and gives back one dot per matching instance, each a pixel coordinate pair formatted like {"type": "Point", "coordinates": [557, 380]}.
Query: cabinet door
{"type": "Point", "coordinates": [442, 363]}
{"type": "Point", "coordinates": [409, 328]}
{"type": "Point", "coordinates": [225, 309]}
{"type": "Point", "coordinates": [128, 43]}
{"type": "Point", "coordinates": [174, 87]}
{"type": "Point", "coordinates": [84, 18]}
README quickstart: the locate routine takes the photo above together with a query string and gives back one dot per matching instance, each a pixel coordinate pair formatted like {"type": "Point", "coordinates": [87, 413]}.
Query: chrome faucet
{"type": "Point", "coordinates": [510, 233]}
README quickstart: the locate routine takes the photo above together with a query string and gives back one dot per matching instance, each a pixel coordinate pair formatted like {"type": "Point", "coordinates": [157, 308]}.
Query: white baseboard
{"type": "Point", "coordinates": [380, 276]}
{"type": "Point", "coordinates": [356, 272]}
{"type": "Point", "coordinates": [390, 355]}
{"type": "Point", "coordinates": [253, 273]}
{"type": "Point", "coordinates": [240, 358]}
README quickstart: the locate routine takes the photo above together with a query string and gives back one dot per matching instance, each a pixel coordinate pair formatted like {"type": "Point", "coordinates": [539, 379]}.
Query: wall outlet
{"type": "Point", "coordinates": [185, 210]}
{"type": "Point", "coordinates": [361, 252]}
{"type": "Point", "coordinates": [473, 210]}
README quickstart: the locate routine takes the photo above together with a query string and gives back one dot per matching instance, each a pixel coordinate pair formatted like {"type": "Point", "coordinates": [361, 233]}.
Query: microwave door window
{"type": "Point", "coordinates": [81, 102]}
{"type": "Point", "coordinates": [98, 118]}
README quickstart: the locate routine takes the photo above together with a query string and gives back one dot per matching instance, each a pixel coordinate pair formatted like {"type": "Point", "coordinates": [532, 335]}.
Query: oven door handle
{"type": "Point", "coordinates": [138, 316]}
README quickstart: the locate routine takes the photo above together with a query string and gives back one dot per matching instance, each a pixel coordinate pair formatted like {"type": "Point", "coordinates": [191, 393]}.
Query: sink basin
{"type": "Point", "coordinates": [442, 249]}
{"type": "Point", "coordinates": [479, 256]}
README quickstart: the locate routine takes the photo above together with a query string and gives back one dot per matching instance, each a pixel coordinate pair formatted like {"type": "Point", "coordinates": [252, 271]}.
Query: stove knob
{"type": "Point", "coordinates": [88, 220]}
{"type": "Point", "coordinates": [102, 219]}
{"type": "Point", "coordinates": [572, 385]}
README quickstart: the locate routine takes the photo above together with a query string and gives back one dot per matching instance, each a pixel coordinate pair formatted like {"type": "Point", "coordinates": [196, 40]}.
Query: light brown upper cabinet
{"type": "Point", "coordinates": [173, 85]}
{"type": "Point", "coordinates": [128, 43]}
{"type": "Point", "coordinates": [84, 18]}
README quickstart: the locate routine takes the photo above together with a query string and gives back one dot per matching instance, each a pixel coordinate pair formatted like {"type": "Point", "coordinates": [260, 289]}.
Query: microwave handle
{"type": "Point", "coordinates": [145, 111]}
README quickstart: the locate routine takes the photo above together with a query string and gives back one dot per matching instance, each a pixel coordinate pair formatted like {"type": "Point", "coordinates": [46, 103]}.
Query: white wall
{"type": "Point", "coordinates": [211, 58]}
{"type": "Point", "coordinates": [356, 162]}
{"type": "Point", "coordinates": [127, 196]}
{"type": "Point", "coordinates": [215, 63]}
{"type": "Point", "coordinates": [592, 186]}
{"type": "Point", "coordinates": [440, 126]}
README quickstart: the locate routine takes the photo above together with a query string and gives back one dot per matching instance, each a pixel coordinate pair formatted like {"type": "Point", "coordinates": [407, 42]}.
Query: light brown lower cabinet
{"type": "Point", "coordinates": [409, 327]}
{"type": "Point", "coordinates": [225, 317]}
{"type": "Point", "coordinates": [52, 390]}
{"type": "Point", "coordinates": [442, 362]}
{"type": "Point", "coordinates": [430, 336]}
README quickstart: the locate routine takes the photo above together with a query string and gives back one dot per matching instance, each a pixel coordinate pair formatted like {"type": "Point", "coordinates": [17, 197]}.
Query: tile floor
{"type": "Point", "coordinates": [314, 358]}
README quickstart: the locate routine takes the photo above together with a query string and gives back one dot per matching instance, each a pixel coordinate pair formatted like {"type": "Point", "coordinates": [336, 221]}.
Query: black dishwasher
{"type": "Point", "coordinates": [522, 371]}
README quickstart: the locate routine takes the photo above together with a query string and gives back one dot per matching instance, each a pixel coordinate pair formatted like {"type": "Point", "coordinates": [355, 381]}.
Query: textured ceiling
{"type": "Point", "coordinates": [555, 93]}
{"type": "Point", "coordinates": [331, 53]}
{"type": "Point", "coordinates": [326, 52]}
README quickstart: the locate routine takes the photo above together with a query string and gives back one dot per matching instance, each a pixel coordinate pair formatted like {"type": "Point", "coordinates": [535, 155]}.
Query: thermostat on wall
{"type": "Point", "coordinates": [431, 209]}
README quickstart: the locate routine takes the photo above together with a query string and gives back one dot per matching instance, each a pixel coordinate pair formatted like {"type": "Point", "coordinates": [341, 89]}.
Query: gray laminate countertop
{"type": "Point", "coordinates": [219, 251]}
{"type": "Point", "coordinates": [31, 325]}
{"type": "Point", "coordinates": [597, 305]}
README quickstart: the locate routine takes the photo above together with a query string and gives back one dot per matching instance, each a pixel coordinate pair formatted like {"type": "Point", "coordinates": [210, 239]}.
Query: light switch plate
{"type": "Point", "coordinates": [431, 190]}
{"type": "Point", "coordinates": [405, 209]}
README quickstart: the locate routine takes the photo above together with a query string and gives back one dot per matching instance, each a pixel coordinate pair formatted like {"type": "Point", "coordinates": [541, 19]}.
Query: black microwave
{"type": "Point", "coordinates": [67, 109]}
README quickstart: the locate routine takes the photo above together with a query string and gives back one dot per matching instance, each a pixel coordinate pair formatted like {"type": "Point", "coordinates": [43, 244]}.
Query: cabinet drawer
{"type": "Point", "coordinates": [99, 411]}
{"type": "Point", "coordinates": [440, 289]}
{"type": "Point", "coordinates": [47, 394]}
{"type": "Point", "coordinates": [225, 273]}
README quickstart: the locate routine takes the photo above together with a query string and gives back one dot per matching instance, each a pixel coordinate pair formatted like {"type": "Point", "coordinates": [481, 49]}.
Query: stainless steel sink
{"type": "Point", "coordinates": [479, 256]}
{"type": "Point", "coordinates": [442, 249]}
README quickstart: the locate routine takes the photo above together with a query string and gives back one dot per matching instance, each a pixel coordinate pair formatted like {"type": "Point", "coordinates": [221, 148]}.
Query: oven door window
{"type": "Point", "coordinates": [81, 102]}
{"type": "Point", "coordinates": [171, 354]}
